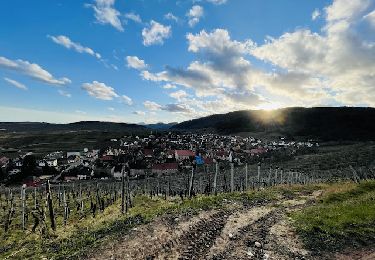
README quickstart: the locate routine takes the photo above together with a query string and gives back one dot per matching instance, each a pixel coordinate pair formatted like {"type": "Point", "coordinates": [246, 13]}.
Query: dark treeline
{"type": "Point", "coordinates": [78, 126]}
{"type": "Point", "coordinates": [323, 123]}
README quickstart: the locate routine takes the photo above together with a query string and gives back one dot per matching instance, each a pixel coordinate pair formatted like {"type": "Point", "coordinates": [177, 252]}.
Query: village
{"type": "Point", "coordinates": [153, 155]}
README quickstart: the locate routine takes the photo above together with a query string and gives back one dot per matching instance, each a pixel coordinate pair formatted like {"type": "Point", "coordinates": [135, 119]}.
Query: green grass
{"type": "Point", "coordinates": [344, 216]}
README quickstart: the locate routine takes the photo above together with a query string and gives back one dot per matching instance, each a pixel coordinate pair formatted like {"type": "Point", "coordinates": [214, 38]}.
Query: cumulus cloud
{"type": "Point", "coordinates": [150, 105]}
{"type": "Point", "coordinates": [170, 16]}
{"type": "Point", "coordinates": [105, 13]}
{"type": "Point", "coordinates": [69, 44]}
{"type": "Point", "coordinates": [134, 17]}
{"type": "Point", "coordinates": [100, 90]}
{"type": "Point", "coordinates": [127, 100]}
{"type": "Point", "coordinates": [195, 14]}
{"type": "Point", "coordinates": [15, 83]}
{"type": "Point", "coordinates": [177, 108]}
{"type": "Point", "coordinates": [341, 58]}
{"type": "Point", "coordinates": [179, 95]}
{"type": "Point", "coordinates": [135, 63]}
{"type": "Point", "coordinates": [334, 66]}
{"type": "Point", "coordinates": [32, 70]}
{"type": "Point", "coordinates": [169, 86]}
{"type": "Point", "coordinates": [315, 15]}
{"type": "Point", "coordinates": [155, 33]}
{"type": "Point", "coordinates": [64, 93]}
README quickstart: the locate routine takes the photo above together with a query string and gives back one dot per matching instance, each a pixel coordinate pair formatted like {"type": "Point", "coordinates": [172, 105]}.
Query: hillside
{"type": "Point", "coordinates": [78, 126]}
{"type": "Point", "coordinates": [324, 123]}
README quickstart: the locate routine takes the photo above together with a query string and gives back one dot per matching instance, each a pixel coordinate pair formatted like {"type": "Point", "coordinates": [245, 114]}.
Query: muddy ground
{"type": "Point", "coordinates": [256, 230]}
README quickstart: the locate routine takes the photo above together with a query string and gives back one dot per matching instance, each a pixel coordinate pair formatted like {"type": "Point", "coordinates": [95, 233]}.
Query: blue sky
{"type": "Point", "coordinates": [163, 60]}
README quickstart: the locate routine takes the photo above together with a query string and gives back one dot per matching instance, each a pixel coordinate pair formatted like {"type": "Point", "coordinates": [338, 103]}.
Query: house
{"type": "Point", "coordinates": [14, 172]}
{"type": "Point", "coordinates": [70, 178]}
{"type": "Point", "coordinates": [107, 158]}
{"type": "Point", "coordinates": [4, 161]}
{"type": "Point", "coordinates": [184, 155]}
{"type": "Point", "coordinates": [68, 154]}
{"type": "Point", "coordinates": [258, 151]}
{"type": "Point", "coordinates": [165, 168]}
{"type": "Point", "coordinates": [18, 163]}
{"type": "Point", "coordinates": [148, 153]}
{"type": "Point", "coordinates": [42, 163]}
{"type": "Point", "coordinates": [50, 163]}
{"type": "Point", "coordinates": [73, 158]}
{"type": "Point", "coordinates": [83, 177]}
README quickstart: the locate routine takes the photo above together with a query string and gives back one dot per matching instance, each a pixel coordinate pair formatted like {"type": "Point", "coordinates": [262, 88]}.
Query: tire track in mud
{"type": "Point", "coordinates": [255, 230]}
{"type": "Point", "coordinates": [199, 240]}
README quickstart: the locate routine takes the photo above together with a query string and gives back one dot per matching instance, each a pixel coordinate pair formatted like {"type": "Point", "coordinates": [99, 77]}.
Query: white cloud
{"type": "Point", "coordinates": [315, 15]}
{"type": "Point", "coordinates": [127, 100]}
{"type": "Point", "coordinates": [15, 83]}
{"type": "Point", "coordinates": [69, 44]}
{"type": "Point", "coordinates": [105, 13]}
{"type": "Point", "coordinates": [111, 108]}
{"type": "Point", "coordinates": [195, 14]}
{"type": "Point", "coordinates": [334, 66]}
{"type": "Point", "coordinates": [32, 70]}
{"type": "Point", "coordinates": [100, 90]}
{"type": "Point", "coordinates": [177, 108]}
{"type": "Point", "coordinates": [179, 95]}
{"type": "Point", "coordinates": [169, 86]}
{"type": "Point", "coordinates": [134, 17]}
{"type": "Point", "coordinates": [135, 63]}
{"type": "Point", "coordinates": [150, 105]}
{"type": "Point", "coordinates": [217, 2]}
{"type": "Point", "coordinates": [370, 18]}
{"type": "Point", "coordinates": [156, 33]}
{"type": "Point", "coordinates": [64, 93]}
{"type": "Point", "coordinates": [341, 58]}
{"type": "Point", "coordinates": [170, 16]}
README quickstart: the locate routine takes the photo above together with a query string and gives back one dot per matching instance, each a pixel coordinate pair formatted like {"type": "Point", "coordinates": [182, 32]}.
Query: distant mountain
{"type": "Point", "coordinates": [160, 126]}
{"type": "Point", "coordinates": [78, 126]}
{"type": "Point", "coordinates": [324, 123]}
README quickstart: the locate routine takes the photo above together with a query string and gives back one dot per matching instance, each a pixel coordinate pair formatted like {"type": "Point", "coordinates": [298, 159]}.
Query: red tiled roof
{"type": "Point", "coordinates": [165, 166]}
{"type": "Point", "coordinates": [258, 151]}
{"type": "Point", "coordinates": [107, 158]}
{"type": "Point", "coordinates": [185, 153]}
{"type": "Point", "coordinates": [3, 160]}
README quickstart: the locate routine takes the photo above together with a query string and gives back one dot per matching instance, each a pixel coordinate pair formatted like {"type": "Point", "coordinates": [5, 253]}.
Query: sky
{"type": "Point", "coordinates": [169, 61]}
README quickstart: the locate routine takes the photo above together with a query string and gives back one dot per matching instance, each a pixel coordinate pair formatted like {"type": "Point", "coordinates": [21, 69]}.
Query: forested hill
{"type": "Point", "coordinates": [324, 123]}
{"type": "Point", "coordinates": [78, 126]}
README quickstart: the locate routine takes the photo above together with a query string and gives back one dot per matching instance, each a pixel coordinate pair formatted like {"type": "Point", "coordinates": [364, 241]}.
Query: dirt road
{"type": "Point", "coordinates": [259, 230]}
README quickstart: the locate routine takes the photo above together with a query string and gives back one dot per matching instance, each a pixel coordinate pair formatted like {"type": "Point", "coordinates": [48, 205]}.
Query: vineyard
{"type": "Point", "coordinates": [40, 209]}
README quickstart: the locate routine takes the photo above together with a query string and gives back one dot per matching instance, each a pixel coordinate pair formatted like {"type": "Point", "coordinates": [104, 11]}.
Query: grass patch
{"type": "Point", "coordinates": [344, 216]}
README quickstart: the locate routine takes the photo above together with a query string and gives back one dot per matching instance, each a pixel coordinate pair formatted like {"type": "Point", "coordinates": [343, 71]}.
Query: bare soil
{"type": "Point", "coordinates": [259, 230]}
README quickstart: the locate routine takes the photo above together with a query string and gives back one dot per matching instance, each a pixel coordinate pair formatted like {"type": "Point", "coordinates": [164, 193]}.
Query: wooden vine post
{"type": "Point", "coordinates": [23, 199]}
{"type": "Point", "coordinates": [232, 177]}
{"type": "Point", "coordinates": [191, 183]}
{"type": "Point", "coordinates": [50, 207]}
{"type": "Point", "coordinates": [123, 191]}
{"type": "Point", "coordinates": [215, 178]}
